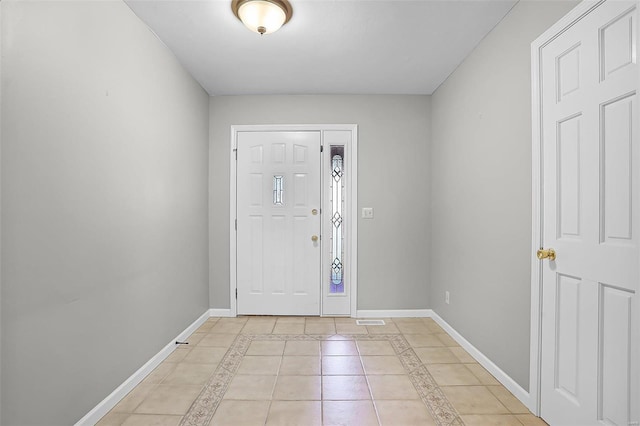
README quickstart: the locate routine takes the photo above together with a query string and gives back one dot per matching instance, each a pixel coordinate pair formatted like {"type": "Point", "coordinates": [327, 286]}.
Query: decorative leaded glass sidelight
{"type": "Point", "coordinates": [337, 214]}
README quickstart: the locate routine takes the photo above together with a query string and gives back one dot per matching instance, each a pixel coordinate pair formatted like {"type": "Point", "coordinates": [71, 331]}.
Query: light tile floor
{"type": "Point", "coordinates": [319, 371]}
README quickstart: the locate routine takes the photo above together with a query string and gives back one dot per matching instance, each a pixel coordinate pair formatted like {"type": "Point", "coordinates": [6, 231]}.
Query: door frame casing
{"type": "Point", "coordinates": [537, 175]}
{"type": "Point", "coordinates": [351, 213]}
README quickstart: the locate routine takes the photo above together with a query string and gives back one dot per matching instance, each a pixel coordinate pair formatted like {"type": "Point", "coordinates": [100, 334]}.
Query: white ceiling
{"type": "Point", "coordinates": [328, 47]}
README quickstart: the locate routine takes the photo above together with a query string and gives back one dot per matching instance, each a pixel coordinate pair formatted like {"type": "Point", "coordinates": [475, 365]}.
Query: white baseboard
{"type": "Point", "coordinates": [398, 313]}
{"type": "Point", "coordinates": [221, 313]}
{"type": "Point", "coordinates": [482, 359]}
{"type": "Point", "coordinates": [93, 416]}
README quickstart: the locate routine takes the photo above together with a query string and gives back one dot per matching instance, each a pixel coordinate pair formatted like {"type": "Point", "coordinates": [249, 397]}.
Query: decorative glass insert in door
{"type": "Point", "coordinates": [337, 212]}
{"type": "Point", "coordinates": [278, 190]}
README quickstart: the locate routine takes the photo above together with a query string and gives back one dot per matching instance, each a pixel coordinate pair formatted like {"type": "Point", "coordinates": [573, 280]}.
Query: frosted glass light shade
{"type": "Point", "coordinates": [262, 16]}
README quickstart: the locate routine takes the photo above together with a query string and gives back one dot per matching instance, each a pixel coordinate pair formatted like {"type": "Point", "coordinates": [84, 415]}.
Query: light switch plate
{"type": "Point", "coordinates": [367, 212]}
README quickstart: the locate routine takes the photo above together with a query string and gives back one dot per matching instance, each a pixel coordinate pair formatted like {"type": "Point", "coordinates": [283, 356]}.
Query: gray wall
{"type": "Point", "coordinates": [393, 178]}
{"type": "Point", "coordinates": [104, 194]}
{"type": "Point", "coordinates": [481, 190]}
{"type": "Point", "coordinates": [1, 61]}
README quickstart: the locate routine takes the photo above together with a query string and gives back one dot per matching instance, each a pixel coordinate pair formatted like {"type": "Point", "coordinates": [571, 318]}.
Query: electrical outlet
{"type": "Point", "coordinates": [446, 297]}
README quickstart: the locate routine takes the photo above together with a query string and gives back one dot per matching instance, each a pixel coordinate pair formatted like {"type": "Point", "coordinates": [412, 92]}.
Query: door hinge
{"type": "Point", "coordinates": [321, 148]}
{"type": "Point", "coordinates": [236, 152]}
{"type": "Point", "coordinates": [236, 224]}
{"type": "Point", "coordinates": [236, 293]}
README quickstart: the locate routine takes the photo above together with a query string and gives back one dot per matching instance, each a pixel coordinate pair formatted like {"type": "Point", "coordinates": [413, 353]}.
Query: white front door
{"type": "Point", "coordinates": [591, 188]}
{"type": "Point", "coordinates": [278, 228]}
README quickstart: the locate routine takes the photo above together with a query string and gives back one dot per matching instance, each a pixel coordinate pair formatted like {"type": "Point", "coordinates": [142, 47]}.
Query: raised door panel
{"type": "Point", "coordinates": [300, 153]}
{"type": "Point", "coordinates": [255, 189]}
{"type": "Point", "coordinates": [278, 252]}
{"type": "Point", "coordinates": [615, 348]}
{"type": "Point", "coordinates": [567, 356]}
{"type": "Point", "coordinates": [617, 44]}
{"type": "Point", "coordinates": [568, 182]}
{"type": "Point", "coordinates": [256, 154]}
{"type": "Point", "coordinates": [616, 184]}
{"type": "Point", "coordinates": [300, 278]}
{"type": "Point", "coordinates": [256, 258]}
{"type": "Point", "coordinates": [278, 153]}
{"type": "Point", "coordinates": [300, 190]}
{"type": "Point", "coordinates": [568, 72]}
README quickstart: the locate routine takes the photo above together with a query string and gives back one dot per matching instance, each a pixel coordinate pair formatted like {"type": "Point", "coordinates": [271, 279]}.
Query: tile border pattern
{"type": "Point", "coordinates": [203, 408]}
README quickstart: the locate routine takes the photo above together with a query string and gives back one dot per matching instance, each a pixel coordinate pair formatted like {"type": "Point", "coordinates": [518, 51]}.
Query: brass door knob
{"type": "Point", "coordinates": [314, 238]}
{"type": "Point", "coordinates": [546, 254]}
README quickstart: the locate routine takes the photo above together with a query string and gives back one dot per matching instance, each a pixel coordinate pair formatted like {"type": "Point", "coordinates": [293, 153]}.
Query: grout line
{"type": "Point", "coordinates": [275, 383]}
{"type": "Point", "coordinates": [321, 386]}
{"type": "Point", "coordinates": [366, 378]}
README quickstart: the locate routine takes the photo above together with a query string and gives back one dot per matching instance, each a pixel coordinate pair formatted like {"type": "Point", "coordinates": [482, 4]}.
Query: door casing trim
{"type": "Point", "coordinates": [535, 351]}
{"type": "Point", "coordinates": [352, 213]}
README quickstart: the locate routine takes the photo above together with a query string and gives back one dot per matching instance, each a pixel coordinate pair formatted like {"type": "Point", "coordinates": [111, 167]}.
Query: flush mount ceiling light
{"type": "Point", "coordinates": [262, 16]}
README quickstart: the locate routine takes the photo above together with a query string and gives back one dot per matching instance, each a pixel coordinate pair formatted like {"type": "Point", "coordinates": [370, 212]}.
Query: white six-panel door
{"type": "Point", "coordinates": [591, 188]}
{"type": "Point", "coordinates": [278, 229]}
